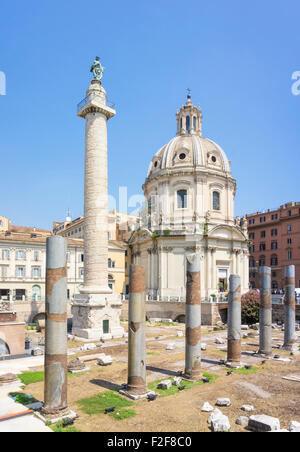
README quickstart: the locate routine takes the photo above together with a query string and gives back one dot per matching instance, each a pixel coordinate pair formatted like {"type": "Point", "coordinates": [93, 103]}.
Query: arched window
{"type": "Point", "coordinates": [251, 262]}
{"type": "Point", "coordinates": [36, 293]}
{"type": "Point", "coordinates": [182, 199]}
{"type": "Point", "coordinates": [274, 285]}
{"type": "Point", "coordinates": [111, 282]}
{"type": "Point", "coordinates": [274, 260]}
{"type": "Point", "coordinates": [194, 122]}
{"type": "Point", "coordinates": [216, 200]}
{"type": "Point", "coordinates": [188, 123]}
{"type": "Point", "coordinates": [262, 261]}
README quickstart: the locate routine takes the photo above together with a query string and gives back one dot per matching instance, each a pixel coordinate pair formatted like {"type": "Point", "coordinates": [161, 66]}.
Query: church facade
{"type": "Point", "coordinates": [190, 195]}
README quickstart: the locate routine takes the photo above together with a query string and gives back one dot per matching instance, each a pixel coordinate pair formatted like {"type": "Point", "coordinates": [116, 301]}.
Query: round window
{"type": "Point", "coordinates": [214, 159]}
{"type": "Point", "coordinates": [182, 156]}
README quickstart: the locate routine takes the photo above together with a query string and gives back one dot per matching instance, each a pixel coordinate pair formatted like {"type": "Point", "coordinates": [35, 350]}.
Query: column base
{"type": "Point", "coordinates": [54, 418]}
{"type": "Point", "coordinates": [234, 364]}
{"type": "Point", "coordinates": [133, 395]}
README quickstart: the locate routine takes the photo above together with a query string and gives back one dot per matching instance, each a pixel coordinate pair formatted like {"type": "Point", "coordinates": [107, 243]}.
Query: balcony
{"type": "Point", "coordinates": [94, 99]}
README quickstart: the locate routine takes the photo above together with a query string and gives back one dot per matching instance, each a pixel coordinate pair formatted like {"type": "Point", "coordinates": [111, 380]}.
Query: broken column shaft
{"type": "Point", "coordinates": [55, 402]}
{"type": "Point", "coordinates": [234, 321]}
{"type": "Point", "coordinates": [193, 318]}
{"type": "Point", "coordinates": [265, 312]}
{"type": "Point", "coordinates": [289, 308]}
{"type": "Point", "coordinates": [137, 331]}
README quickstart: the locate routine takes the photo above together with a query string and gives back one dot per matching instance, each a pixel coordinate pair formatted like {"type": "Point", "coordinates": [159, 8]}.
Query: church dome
{"type": "Point", "coordinates": [189, 150]}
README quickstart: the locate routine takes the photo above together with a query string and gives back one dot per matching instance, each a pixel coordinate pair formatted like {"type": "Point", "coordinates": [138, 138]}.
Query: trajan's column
{"type": "Point", "coordinates": [96, 310]}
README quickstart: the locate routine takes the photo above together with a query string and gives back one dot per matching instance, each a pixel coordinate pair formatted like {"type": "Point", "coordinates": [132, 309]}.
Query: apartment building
{"type": "Point", "coordinates": [275, 242]}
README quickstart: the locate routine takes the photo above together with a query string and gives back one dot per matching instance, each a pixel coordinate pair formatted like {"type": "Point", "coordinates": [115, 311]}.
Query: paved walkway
{"type": "Point", "coordinates": [8, 406]}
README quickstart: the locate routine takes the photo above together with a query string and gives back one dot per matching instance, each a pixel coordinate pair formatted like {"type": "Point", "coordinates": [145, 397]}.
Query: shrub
{"type": "Point", "coordinates": [250, 307]}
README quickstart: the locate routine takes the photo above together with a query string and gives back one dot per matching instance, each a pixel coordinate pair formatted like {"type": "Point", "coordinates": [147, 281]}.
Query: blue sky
{"type": "Point", "coordinates": [236, 57]}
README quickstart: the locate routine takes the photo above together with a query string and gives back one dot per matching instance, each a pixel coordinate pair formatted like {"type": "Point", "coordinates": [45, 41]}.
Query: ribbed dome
{"type": "Point", "coordinates": [189, 151]}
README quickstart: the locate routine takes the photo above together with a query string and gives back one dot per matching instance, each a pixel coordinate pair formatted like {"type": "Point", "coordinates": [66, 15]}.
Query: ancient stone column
{"type": "Point", "coordinates": [289, 308]}
{"type": "Point", "coordinates": [234, 321]}
{"type": "Point", "coordinates": [55, 401]}
{"type": "Point", "coordinates": [265, 312]}
{"type": "Point", "coordinates": [96, 310]}
{"type": "Point", "coordinates": [137, 331]}
{"type": "Point", "coordinates": [193, 318]}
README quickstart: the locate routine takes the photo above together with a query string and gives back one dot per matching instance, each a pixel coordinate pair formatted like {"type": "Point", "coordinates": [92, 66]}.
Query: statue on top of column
{"type": "Point", "coordinates": [97, 69]}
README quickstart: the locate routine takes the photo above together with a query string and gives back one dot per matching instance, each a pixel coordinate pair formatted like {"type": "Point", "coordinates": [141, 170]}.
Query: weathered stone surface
{"type": "Point", "coordinates": [105, 360]}
{"type": "Point", "coordinates": [37, 352]}
{"type": "Point", "coordinates": [263, 423]}
{"type": "Point", "coordinates": [177, 381]}
{"type": "Point", "coordinates": [179, 333]}
{"type": "Point", "coordinates": [214, 415]}
{"type": "Point", "coordinates": [76, 364]}
{"type": "Point", "coordinates": [294, 425]}
{"type": "Point", "coordinates": [8, 378]}
{"type": "Point", "coordinates": [207, 408]}
{"type": "Point", "coordinates": [166, 384]}
{"type": "Point", "coordinates": [87, 347]}
{"type": "Point", "coordinates": [242, 420]}
{"type": "Point", "coordinates": [223, 402]}
{"type": "Point", "coordinates": [170, 347]}
{"type": "Point", "coordinates": [248, 408]}
{"type": "Point", "coordinates": [221, 424]}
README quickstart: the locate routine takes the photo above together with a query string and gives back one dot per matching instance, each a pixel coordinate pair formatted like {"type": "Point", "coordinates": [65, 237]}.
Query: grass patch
{"type": "Point", "coordinates": [152, 353]}
{"type": "Point", "coordinates": [187, 384]}
{"type": "Point", "coordinates": [219, 352]}
{"type": "Point", "coordinates": [244, 371]}
{"type": "Point", "coordinates": [31, 377]}
{"type": "Point", "coordinates": [59, 428]}
{"type": "Point", "coordinates": [98, 403]}
{"type": "Point", "coordinates": [123, 414]}
{"type": "Point", "coordinates": [24, 399]}
{"type": "Point", "coordinates": [79, 374]}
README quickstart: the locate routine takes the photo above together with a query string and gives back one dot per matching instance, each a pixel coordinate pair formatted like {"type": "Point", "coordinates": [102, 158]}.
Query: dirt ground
{"type": "Point", "coordinates": [266, 390]}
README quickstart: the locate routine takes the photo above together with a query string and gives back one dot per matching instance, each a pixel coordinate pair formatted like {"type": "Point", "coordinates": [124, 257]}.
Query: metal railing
{"type": "Point", "coordinates": [95, 97]}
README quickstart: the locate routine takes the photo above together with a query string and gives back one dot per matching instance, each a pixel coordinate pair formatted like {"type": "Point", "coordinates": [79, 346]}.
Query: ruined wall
{"type": "Point", "coordinates": [278, 312]}
{"type": "Point", "coordinates": [210, 312]}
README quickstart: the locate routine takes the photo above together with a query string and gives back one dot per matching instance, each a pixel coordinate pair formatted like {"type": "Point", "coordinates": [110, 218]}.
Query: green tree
{"type": "Point", "coordinates": [250, 308]}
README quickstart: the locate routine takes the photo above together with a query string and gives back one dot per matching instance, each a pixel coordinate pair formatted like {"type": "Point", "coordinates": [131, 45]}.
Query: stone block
{"type": "Point", "coordinates": [177, 381]}
{"type": "Point", "coordinates": [294, 425]}
{"type": "Point", "coordinates": [203, 347]}
{"type": "Point", "coordinates": [248, 408]}
{"type": "Point", "coordinates": [242, 420]}
{"type": "Point", "coordinates": [223, 402]}
{"type": "Point", "coordinates": [105, 360]}
{"type": "Point", "coordinates": [166, 384]}
{"type": "Point", "coordinates": [221, 424]}
{"type": "Point", "coordinates": [214, 415]}
{"type": "Point", "coordinates": [263, 423]}
{"type": "Point", "coordinates": [207, 408]}
{"type": "Point", "coordinates": [170, 347]}
{"type": "Point", "coordinates": [88, 347]}
{"type": "Point", "coordinates": [219, 340]}
{"type": "Point", "coordinates": [37, 352]}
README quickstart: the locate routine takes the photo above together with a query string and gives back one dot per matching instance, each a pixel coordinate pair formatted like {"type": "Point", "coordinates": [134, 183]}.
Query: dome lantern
{"type": "Point", "coordinates": [189, 119]}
